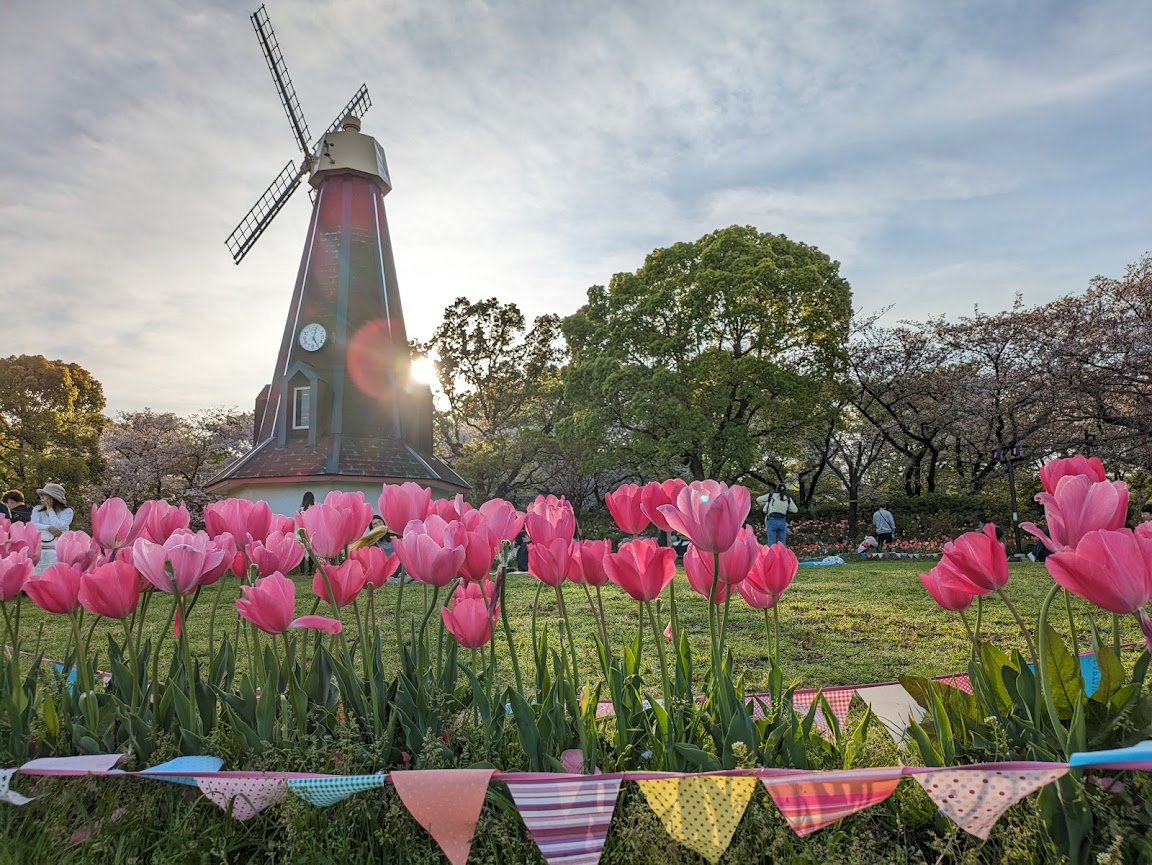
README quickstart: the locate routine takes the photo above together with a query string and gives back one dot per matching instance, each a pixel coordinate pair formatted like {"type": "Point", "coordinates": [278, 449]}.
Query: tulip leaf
{"type": "Point", "coordinates": [1064, 680]}
{"type": "Point", "coordinates": [1112, 675]}
{"type": "Point", "coordinates": [697, 757]}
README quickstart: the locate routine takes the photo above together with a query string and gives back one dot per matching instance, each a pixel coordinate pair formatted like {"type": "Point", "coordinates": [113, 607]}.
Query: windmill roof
{"type": "Point", "coordinates": [384, 459]}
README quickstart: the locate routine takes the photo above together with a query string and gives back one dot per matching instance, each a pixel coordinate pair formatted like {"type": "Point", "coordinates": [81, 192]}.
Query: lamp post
{"type": "Point", "coordinates": [1009, 457]}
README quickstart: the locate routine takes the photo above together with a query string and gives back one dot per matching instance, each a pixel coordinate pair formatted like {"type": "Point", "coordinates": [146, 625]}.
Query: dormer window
{"type": "Point", "coordinates": [301, 408]}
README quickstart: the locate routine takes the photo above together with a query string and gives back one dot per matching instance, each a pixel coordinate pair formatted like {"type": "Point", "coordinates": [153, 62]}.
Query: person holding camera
{"type": "Point", "coordinates": [777, 505]}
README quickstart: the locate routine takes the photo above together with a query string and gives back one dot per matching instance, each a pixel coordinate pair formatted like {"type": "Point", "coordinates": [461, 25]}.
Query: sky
{"type": "Point", "coordinates": [949, 155]}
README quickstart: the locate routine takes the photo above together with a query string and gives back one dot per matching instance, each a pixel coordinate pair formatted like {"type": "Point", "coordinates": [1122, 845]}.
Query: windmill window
{"type": "Point", "coordinates": [301, 408]}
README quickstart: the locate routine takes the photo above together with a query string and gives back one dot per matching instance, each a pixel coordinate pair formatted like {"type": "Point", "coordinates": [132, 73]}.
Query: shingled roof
{"type": "Point", "coordinates": [383, 459]}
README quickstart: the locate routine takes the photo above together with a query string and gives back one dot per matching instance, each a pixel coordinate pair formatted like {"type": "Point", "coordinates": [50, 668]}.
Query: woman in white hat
{"type": "Point", "coordinates": [53, 517]}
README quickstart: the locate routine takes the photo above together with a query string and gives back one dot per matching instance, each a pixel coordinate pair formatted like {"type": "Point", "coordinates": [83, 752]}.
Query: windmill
{"type": "Point", "coordinates": [257, 220]}
{"type": "Point", "coordinates": [340, 411]}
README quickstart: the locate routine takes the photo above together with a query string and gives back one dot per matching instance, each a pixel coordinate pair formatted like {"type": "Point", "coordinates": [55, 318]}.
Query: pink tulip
{"type": "Point", "coordinates": [699, 567]}
{"type": "Point", "coordinates": [1144, 530]}
{"type": "Point", "coordinates": [479, 551]}
{"type": "Point", "coordinates": [660, 493]}
{"type": "Point", "coordinates": [76, 548]}
{"type": "Point", "coordinates": [378, 565]}
{"type": "Point", "coordinates": [112, 590]}
{"type": "Point", "coordinates": [550, 561]}
{"type": "Point", "coordinates": [504, 521]}
{"type": "Point", "coordinates": [112, 524]}
{"type": "Point", "coordinates": [280, 523]}
{"type": "Point", "coordinates": [1112, 569]}
{"type": "Point", "coordinates": [330, 527]}
{"type": "Point", "coordinates": [588, 562]}
{"type": "Point", "coordinates": [977, 562]}
{"type": "Point", "coordinates": [1078, 506]}
{"type": "Point", "coordinates": [156, 520]}
{"type": "Point", "coordinates": [772, 573]}
{"type": "Point", "coordinates": [347, 580]}
{"type": "Point", "coordinates": [15, 537]}
{"type": "Point", "coordinates": [946, 588]}
{"type": "Point", "coordinates": [642, 568]}
{"type": "Point", "coordinates": [432, 551]}
{"type": "Point", "coordinates": [57, 589]}
{"type": "Point", "coordinates": [470, 621]}
{"type": "Point", "coordinates": [231, 560]}
{"type": "Point", "coordinates": [400, 504]}
{"type": "Point", "coordinates": [15, 570]}
{"type": "Point", "coordinates": [359, 512]}
{"type": "Point", "coordinates": [1053, 470]}
{"type": "Point", "coordinates": [450, 510]}
{"type": "Point", "coordinates": [190, 555]}
{"type": "Point", "coordinates": [270, 603]}
{"type": "Point", "coordinates": [239, 518]}
{"type": "Point", "coordinates": [550, 520]}
{"type": "Point", "coordinates": [485, 591]}
{"type": "Point", "coordinates": [709, 513]}
{"type": "Point", "coordinates": [624, 505]}
{"type": "Point", "coordinates": [279, 552]}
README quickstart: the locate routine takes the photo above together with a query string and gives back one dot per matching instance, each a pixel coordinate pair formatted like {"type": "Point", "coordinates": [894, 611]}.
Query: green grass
{"type": "Point", "coordinates": [853, 624]}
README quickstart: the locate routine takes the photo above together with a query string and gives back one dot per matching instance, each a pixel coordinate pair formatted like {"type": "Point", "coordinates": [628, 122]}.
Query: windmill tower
{"type": "Point", "coordinates": [341, 411]}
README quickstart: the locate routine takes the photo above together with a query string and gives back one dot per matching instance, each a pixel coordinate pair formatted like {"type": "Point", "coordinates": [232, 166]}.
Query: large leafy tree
{"type": "Point", "coordinates": [501, 392]}
{"type": "Point", "coordinates": [714, 358]}
{"type": "Point", "coordinates": [50, 423]}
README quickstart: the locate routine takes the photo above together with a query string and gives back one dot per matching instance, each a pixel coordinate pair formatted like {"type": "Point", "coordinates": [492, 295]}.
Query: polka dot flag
{"type": "Point", "coordinates": [700, 811]}
{"type": "Point", "coordinates": [974, 798]}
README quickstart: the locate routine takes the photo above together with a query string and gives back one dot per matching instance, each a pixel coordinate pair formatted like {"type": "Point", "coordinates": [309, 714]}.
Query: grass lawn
{"type": "Point", "coordinates": [866, 621]}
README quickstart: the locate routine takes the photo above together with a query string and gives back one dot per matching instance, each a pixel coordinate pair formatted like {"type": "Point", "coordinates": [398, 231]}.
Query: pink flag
{"type": "Point", "coordinates": [975, 797]}
{"type": "Point", "coordinates": [82, 765]}
{"type": "Point", "coordinates": [839, 699]}
{"type": "Point", "coordinates": [247, 796]}
{"type": "Point", "coordinates": [568, 817]}
{"type": "Point", "coordinates": [447, 803]}
{"type": "Point", "coordinates": [813, 800]}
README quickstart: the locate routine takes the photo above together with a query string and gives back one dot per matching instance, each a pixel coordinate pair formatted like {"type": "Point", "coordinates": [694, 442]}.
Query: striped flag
{"type": "Point", "coordinates": [568, 816]}
{"type": "Point", "coordinates": [813, 800]}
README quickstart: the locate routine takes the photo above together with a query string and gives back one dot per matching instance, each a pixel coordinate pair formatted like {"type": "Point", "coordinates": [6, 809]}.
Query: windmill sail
{"type": "Point", "coordinates": [279, 69]}
{"type": "Point", "coordinates": [263, 211]}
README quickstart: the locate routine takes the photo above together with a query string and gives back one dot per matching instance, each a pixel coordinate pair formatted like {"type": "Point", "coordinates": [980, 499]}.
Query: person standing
{"type": "Point", "coordinates": [777, 505]}
{"type": "Point", "coordinates": [307, 565]}
{"type": "Point", "coordinates": [16, 510]}
{"type": "Point", "coordinates": [53, 517]}
{"type": "Point", "coordinates": [885, 525]}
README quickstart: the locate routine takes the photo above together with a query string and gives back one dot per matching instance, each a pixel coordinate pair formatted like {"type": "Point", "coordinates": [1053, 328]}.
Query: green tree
{"type": "Point", "coordinates": [714, 359]}
{"type": "Point", "coordinates": [50, 423]}
{"type": "Point", "coordinates": [500, 382]}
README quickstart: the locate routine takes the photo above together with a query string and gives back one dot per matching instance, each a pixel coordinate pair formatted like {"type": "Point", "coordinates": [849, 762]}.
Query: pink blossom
{"type": "Point", "coordinates": [400, 504]}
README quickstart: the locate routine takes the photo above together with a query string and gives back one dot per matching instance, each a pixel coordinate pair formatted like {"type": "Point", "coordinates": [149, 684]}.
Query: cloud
{"type": "Point", "coordinates": [943, 154]}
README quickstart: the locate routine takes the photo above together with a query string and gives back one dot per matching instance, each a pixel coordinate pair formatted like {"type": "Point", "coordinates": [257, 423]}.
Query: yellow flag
{"type": "Point", "coordinates": [700, 811]}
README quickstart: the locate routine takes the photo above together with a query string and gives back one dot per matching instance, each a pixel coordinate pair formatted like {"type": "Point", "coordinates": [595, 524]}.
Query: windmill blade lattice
{"type": "Point", "coordinates": [263, 211]}
{"type": "Point", "coordinates": [279, 69]}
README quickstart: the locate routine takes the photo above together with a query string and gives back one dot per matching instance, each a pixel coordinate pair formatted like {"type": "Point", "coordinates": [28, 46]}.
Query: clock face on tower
{"type": "Point", "coordinates": [313, 336]}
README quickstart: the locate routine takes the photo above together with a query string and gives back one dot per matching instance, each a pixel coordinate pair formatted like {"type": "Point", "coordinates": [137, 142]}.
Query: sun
{"type": "Point", "coordinates": [423, 370]}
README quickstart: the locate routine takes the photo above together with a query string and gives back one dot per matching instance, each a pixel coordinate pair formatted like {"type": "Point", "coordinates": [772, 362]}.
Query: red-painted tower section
{"type": "Point", "coordinates": [341, 411]}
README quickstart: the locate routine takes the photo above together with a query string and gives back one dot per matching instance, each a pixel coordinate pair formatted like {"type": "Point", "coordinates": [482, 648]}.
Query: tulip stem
{"type": "Point", "coordinates": [84, 679]}
{"type": "Point", "coordinates": [400, 616]}
{"type": "Point", "coordinates": [131, 665]}
{"type": "Point", "coordinates": [979, 617]}
{"type": "Point", "coordinates": [768, 640]}
{"type": "Point", "coordinates": [971, 636]}
{"type": "Point", "coordinates": [212, 618]}
{"type": "Point", "coordinates": [1072, 624]}
{"type": "Point", "coordinates": [776, 629]}
{"type": "Point", "coordinates": [1041, 667]}
{"type": "Point", "coordinates": [1020, 623]}
{"type": "Point", "coordinates": [511, 643]}
{"type": "Point", "coordinates": [1116, 634]}
{"type": "Point", "coordinates": [660, 652]}
{"type": "Point", "coordinates": [712, 617]}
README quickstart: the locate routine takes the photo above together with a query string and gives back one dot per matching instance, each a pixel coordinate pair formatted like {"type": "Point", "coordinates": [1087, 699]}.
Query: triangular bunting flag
{"type": "Point", "coordinates": [700, 811]}
{"type": "Point", "coordinates": [447, 803]}
{"type": "Point", "coordinates": [975, 797]}
{"type": "Point", "coordinates": [568, 817]}
{"type": "Point", "coordinates": [1138, 756]}
{"type": "Point", "coordinates": [247, 796]}
{"type": "Point", "coordinates": [10, 796]}
{"type": "Point", "coordinates": [331, 789]}
{"type": "Point", "coordinates": [813, 800]}
{"type": "Point", "coordinates": [167, 771]}
{"type": "Point", "coordinates": [892, 705]}
{"type": "Point", "coordinates": [82, 765]}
